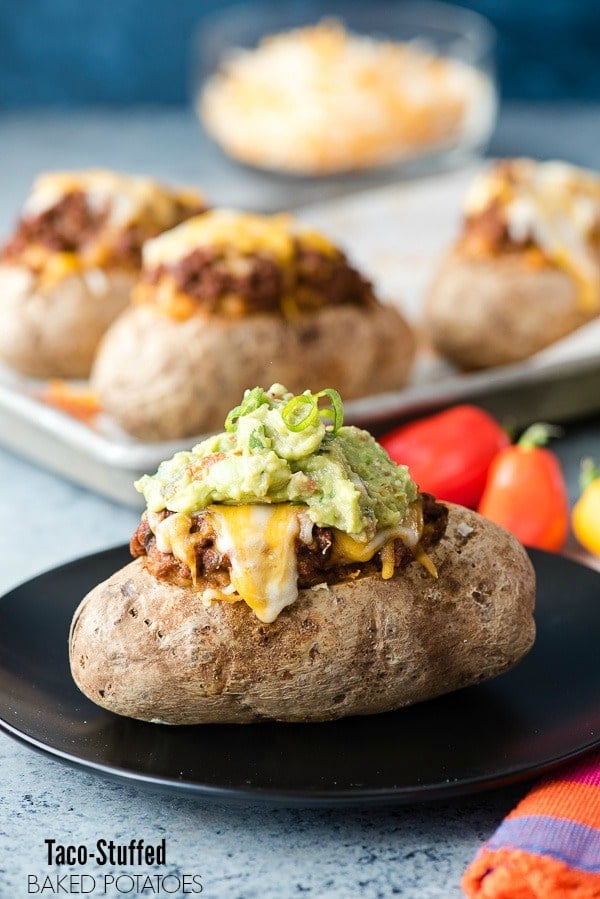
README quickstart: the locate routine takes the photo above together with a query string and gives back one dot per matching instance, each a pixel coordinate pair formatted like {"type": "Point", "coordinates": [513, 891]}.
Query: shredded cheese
{"type": "Point", "coordinates": [321, 99]}
{"type": "Point", "coordinates": [236, 232]}
{"type": "Point", "coordinates": [126, 198]}
{"type": "Point", "coordinates": [121, 201]}
{"type": "Point", "coordinates": [57, 267]}
{"type": "Point", "coordinates": [387, 560]}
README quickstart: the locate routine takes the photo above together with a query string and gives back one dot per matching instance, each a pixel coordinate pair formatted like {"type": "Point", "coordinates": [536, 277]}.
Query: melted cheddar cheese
{"type": "Point", "coordinates": [347, 548]}
{"type": "Point", "coordinates": [128, 199]}
{"type": "Point", "coordinates": [260, 541]}
{"type": "Point", "coordinates": [173, 536]}
{"type": "Point", "coordinates": [228, 231]}
{"type": "Point", "coordinates": [554, 205]}
{"type": "Point", "coordinates": [120, 201]}
{"type": "Point", "coordinates": [54, 267]}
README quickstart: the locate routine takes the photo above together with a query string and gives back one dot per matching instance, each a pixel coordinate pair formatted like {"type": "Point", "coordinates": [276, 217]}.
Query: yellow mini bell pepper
{"type": "Point", "coordinates": [585, 518]}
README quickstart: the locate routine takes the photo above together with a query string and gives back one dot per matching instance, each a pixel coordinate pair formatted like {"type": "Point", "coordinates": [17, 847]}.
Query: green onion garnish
{"type": "Point", "coordinates": [253, 399]}
{"type": "Point", "coordinates": [232, 419]}
{"type": "Point", "coordinates": [301, 412]}
{"type": "Point", "coordinates": [336, 413]}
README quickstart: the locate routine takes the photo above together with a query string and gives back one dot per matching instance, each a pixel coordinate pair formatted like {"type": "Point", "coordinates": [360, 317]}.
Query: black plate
{"type": "Point", "coordinates": [525, 722]}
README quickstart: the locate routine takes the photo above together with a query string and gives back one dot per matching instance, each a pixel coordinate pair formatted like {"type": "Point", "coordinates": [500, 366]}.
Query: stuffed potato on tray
{"type": "Point", "coordinates": [227, 298]}
{"type": "Point", "coordinates": [525, 270]}
{"type": "Point", "coordinates": [68, 269]}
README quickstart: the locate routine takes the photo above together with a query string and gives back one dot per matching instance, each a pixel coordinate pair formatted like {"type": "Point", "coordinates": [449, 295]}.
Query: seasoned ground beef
{"type": "Point", "coordinates": [315, 564]}
{"type": "Point", "coordinates": [487, 233]}
{"type": "Point", "coordinates": [330, 280]}
{"type": "Point", "coordinates": [255, 283]}
{"type": "Point", "coordinates": [207, 277]}
{"type": "Point", "coordinates": [71, 225]}
{"type": "Point", "coordinates": [64, 228]}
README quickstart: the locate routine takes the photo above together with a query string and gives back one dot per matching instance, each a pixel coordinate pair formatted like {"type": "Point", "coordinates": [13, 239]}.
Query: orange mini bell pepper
{"type": "Point", "coordinates": [526, 492]}
{"type": "Point", "coordinates": [585, 518]}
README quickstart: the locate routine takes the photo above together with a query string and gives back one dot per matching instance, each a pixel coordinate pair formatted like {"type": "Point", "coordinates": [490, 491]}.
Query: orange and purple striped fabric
{"type": "Point", "coordinates": [549, 845]}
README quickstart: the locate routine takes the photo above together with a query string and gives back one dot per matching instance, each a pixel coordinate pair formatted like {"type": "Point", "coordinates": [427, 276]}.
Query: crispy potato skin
{"type": "Point", "coordinates": [151, 651]}
{"type": "Point", "coordinates": [481, 313]}
{"type": "Point", "coordinates": [162, 379]}
{"type": "Point", "coordinates": [55, 333]}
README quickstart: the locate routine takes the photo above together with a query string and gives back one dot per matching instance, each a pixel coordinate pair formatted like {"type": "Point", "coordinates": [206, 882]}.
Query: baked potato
{"type": "Point", "coordinates": [525, 271]}
{"type": "Point", "coordinates": [230, 299]}
{"type": "Point", "coordinates": [302, 581]}
{"type": "Point", "coordinates": [55, 331]}
{"type": "Point", "coordinates": [150, 650]}
{"type": "Point", "coordinates": [160, 378]}
{"type": "Point", "coordinates": [69, 267]}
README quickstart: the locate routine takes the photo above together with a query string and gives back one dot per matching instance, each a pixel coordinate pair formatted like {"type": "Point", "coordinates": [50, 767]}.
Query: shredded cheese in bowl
{"type": "Point", "coordinates": [320, 99]}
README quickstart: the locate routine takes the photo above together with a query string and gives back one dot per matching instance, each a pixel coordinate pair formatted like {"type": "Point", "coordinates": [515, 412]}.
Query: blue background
{"type": "Point", "coordinates": [104, 52]}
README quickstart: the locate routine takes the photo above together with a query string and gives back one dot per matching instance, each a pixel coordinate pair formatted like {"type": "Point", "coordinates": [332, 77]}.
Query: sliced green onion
{"type": "Point", "coordinates": [301, 412]}
{"type": "Point", "coordinates": [232, 419]}
{"type": "Point", "coordinates": [336, 412]}
{"type": "Point", "coordinates": [252, 400]}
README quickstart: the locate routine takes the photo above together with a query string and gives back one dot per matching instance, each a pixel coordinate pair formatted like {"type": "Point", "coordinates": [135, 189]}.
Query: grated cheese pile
{"type": "Point", "coordinates": [320, 99]}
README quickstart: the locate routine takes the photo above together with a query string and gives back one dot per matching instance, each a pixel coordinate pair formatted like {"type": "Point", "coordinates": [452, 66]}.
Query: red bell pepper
{"type": "Point", "coordinates": [449, 454]}
{"type": "Point", "coordinates": [526, 492]}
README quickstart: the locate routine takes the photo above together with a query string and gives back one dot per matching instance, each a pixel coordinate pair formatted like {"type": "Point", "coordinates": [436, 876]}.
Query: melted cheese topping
{"type": "Point", "coordinates": [128, 198]}
{"type": "Point", "coordinates": [227, 230]}
{"type": "Point", "coordinates": [55, 267]}
{"type": "Point", "coordinates": [260, 541]}
{"type": "Point", "coordinates": [555, 205]}
{"type": "Point", "coordinates": [173, 536]}
{"type": "Point", "coordinates": [346, 548]}
{"type": "Point", "coordinates": [122, 202]}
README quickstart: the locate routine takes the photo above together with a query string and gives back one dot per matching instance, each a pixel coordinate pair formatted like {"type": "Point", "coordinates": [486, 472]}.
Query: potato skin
{"type": "Point", "coordinates": [481, 313]}
{"type": "Point", "coordinates": [147, 650]}
{"type": "Point", "coordinates": [162, 379]}
{"type": "Point", "coordinates": [54, 333]}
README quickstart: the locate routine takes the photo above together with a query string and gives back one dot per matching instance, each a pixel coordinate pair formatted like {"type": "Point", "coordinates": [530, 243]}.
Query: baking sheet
{"type": "Point", "coordinates": [396, 235]}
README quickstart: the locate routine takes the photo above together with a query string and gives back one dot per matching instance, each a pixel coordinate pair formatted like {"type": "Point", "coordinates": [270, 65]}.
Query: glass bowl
{"type": "Point", "coordinates": [374, 86]}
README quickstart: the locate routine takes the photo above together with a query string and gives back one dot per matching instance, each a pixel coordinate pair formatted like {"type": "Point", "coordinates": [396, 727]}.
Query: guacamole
{"type": "Point", "coordinates": [278, 448]}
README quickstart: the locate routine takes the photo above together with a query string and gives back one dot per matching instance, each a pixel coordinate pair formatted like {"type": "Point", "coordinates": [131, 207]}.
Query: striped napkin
{"type": "Point", "coordinates": [548, 847]}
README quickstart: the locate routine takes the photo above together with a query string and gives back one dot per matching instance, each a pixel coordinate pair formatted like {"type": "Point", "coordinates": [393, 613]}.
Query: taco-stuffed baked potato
{"type": "Point", "coordinates": [68, 269]}
{"type": "Point", "coordinates": [287, 569]}
{"type": "Point", "coordinates": [525, 270]}
{"type": "Point", "coordinates": [228, 299]}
